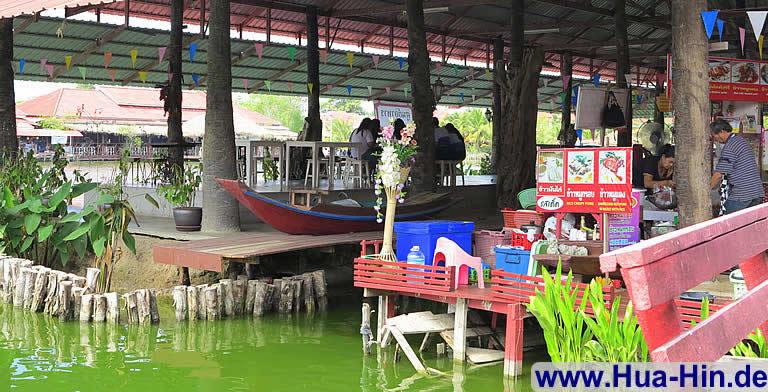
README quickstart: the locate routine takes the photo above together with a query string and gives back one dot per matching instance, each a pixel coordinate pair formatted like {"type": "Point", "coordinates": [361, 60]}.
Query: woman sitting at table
{"type": "Point", "coordinates": [658, 170]}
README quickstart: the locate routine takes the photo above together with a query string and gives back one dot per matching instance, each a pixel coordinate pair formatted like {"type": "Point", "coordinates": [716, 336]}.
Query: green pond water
{"type": "Point", "coordinates": [272, 353]}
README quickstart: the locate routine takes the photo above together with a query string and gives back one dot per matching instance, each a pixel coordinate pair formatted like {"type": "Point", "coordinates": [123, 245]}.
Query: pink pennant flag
{"type": "Point", "coordinates": [742, 32]}
{"type": "Point", "coordinates": [324, 56]}
{"type": "Point", "coordinates": [566, 79]}
{"type": "Point", "coordinates": [259, 49]}
{"type": "Point", "coordinates": [43, 62]}
{"type": "Point", "coordinates": [388, 89]}
{"type": "Point", "coordinates": [329, 87]}
{"type": "Point", "coordinates": [290, 86]}
{"type": "Point", "coordinates": [49, 68]}
{"type": "Point", "coordinates": [161, 54]}
{"type": "Point", "coordinates": [245, 84]}
{"type": "Point", "coordinates": [112, 74]}
{"type": "Point", "coordinates": [375, 58]}
{"type": "Point", "coordinates": [438, 67]}
{"type": "Point", "coordinates": [107, 59]}
{"type": "Point", "coordinates": [660, 78]}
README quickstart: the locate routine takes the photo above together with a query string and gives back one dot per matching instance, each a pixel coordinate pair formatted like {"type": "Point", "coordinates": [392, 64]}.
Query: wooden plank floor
{"type": "Point", "coordinates": [210, 254]}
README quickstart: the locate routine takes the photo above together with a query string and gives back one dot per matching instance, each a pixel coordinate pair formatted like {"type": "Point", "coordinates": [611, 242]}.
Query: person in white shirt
{"type": "Point", "coordinates": [363, 137]}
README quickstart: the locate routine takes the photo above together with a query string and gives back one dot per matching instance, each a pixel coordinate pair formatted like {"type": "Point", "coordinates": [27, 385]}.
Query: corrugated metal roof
{"type": "Point", "coordinates": [11, 8]}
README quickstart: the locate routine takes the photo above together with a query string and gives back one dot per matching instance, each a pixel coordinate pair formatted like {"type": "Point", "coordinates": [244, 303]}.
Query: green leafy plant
{"type": "Point", "coordinates": [562, 320]}
{"type": "Point", "coordinates": [271, 172]}
{"type": "Point", "coordinates": [754, 347]}
{"type": "Point", "coordinates": [485, 166]}
{"type": "Point", "coordinates": [616, 338]}
{"type": "Point", "coordinates": [180, 191]}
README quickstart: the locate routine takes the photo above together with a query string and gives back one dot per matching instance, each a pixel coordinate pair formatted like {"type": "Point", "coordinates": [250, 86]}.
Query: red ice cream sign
{"type": "Point", "coordinates": [584, 180]}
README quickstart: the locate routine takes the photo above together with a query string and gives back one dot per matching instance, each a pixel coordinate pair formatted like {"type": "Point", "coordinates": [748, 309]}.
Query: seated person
{"type": "Point", "coordinates": [450, 146]}
{"type": "Point", "coordinates": [658, 170]}
{"type": "Point", "coordinates": [363, 137]}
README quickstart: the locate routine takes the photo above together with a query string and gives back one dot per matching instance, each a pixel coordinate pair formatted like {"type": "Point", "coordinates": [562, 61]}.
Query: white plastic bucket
{"type": "Point", "coordinates": [737, 280]}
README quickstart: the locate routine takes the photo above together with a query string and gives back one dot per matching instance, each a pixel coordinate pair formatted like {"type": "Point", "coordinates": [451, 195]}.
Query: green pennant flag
{"type": "Point", "coordinates": [82, 72]}
{"type": "Point", "coordinates": [268, 83]}
{"type": "Point", "coordinates": [292, 53]}
{"type": "Point", "coordinates": [455, 69]}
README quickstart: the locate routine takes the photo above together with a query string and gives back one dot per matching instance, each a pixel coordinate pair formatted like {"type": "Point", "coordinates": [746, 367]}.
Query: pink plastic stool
{"type": "Point", "coordinates": [450, 254]}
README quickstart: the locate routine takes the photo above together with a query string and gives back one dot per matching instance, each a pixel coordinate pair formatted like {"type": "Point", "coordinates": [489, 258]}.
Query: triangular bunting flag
{"type": "Point", "coordinates": [349, 89]}
{"type": "Point", "coordinates": [455, 69]}
{"type": "Point", "coordinates": [388, 89]}
{"type": "Point", "coordinates": [82, 72]}
{"type": "Point", "coordinates": [245, 84]}
{"type": "Point", "coordinates": [370, 90]}
{"type": "Point", "coordinates": [134, 55]}
{"type": "Point", "coordinates": [760, 45]}
{"type": "Point", "coordinates": [192, 52]}
{"type": "Point", "coordinates": [401, 62]}
{"type": "Point", "coordinates": [112, 74]}
{"type": "Point", "coordinates": [329, 87]}
{"type": "Point", "coordinates": [566, 80]}
{"type": "Point", "coordinates": [471, 75]}
{"type": "Point", "coordinates": [68, 62]}
{"type": "Point", "coordinates": [488, 73]}
{"type": "Point", "coordinates": [461, 97]}
{"type": "Point", "coordinates": [375, 58]}
{"type": "Point", "coordinates": [143, 76]}
{"type": "Point", "coordinates": [757, 19]}
{"type": "Point", "coordinates": [405, 92]}
{"type": "Point", "coordinates": [268, 84]}
{"type": "Point", "coordinates": [161, 53]}
{"type": "Point", "coordinates": [309, 87]}
{"type": "Point", "coordinates": [709, 18]}
{"type": "Point", "coordinates": [22, 63]}
{"type": "Point", "coordinates": [473, 97]}
{"type": "Point", "coordinates": [259, 49]}
{"type": "Point", "coordinates": [438, 67]}
{"type": "Point", "coordinates": [742, 32]}
{"type": "Point", "coordinates": [292, 53]}
{"type": "Point", "coordinates": [660, 78]}
{"type": "Point", "coordinates": [49, 68]}
{"type": "Point", "coordinates": [196, 79]}
{"type": "Point", "coordinates": [720, 27]}
{"type": "Point", "coordinates": [596, 79]}
{"type": "Point", "coordinates": [290, 86]}
{"type": "Point", "coordinates": [324, 56]}
{"type": "Point", "coordinates": [628, 78]}
{"type": "Point", "coordinates": [350, 59]}
{"type": "Point", "coordinates": [107, 59]}
{"type": "Point", "coordinates": [43, 62]}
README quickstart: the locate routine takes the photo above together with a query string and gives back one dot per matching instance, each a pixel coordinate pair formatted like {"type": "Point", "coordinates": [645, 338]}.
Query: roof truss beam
{"type": "Point", "coordinates": [395, 8]}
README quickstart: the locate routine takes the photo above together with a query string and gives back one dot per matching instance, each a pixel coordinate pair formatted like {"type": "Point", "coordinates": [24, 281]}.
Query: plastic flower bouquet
{"type": "Point", "coordinates": [391, 176]}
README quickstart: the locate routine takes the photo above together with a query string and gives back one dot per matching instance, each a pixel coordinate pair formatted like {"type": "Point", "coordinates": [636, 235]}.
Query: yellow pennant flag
{"type": "Point", "coordinates": [487, 72]}
{"type": "Point", "coordinates": [68, 62]}
{"type": "Point", "coordinates": [309, 86]}
{"type": "Point", "coordinates": [760, 46]}
{"type": "Point", "coordinates": [143, 76]}
{"type": "Point", "coordinates": [350, 59]}
{"type": "Point", "coordinates": [134, 54]}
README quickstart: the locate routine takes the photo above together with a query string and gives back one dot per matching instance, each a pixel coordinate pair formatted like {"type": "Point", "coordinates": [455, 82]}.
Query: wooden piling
{"type": "Point", "coordinates": [113, 308]}
{"type": "Point", "coordinates": [99, 308]}
{"type": "Point", "coordinates": [250, 296]}
{"type": "Point", "coordinates": [261, 298]}
{"type": "Point", "coordinates": [40, 290]}
{"type": "Point", "coordinates": [154, 312]}
{"type": "Point", "coordinates": [308, 292]}
{"type": "Point", "coordinates": [192, 307]}
{"type": "Point", "coordinates": [18, 293]}
{"type": "Point", "coordinates": [77, 281]}
{"type": "Point", "coordinates": [228, 297]}
{"type": "Point", "coordinates": [86, 307]}
{"type": "Point", "coordinates": [296, 281]}
{"type": "Point", "coordinates": [212, 302]}
{"type": "Point", "coordinates": [66, 310]}
{"type": "Point", "coordinates": [278, 283]}
{"type": "Point", "coordinates": [201, 308]}
{"type": "Point", "coordinates": [51, 292]}
{"type": "Point", "coordinates": [219, 299]}
{"type": "Point", "coordinates": [132, 307]}
{"type": "Point", "coordinates": [77, 300]}
{"type": "Point", "coordinates": [142, 306]}
{"type": "Point", "coordinates": [321, 289]}
{"type": "Point", "coordinates": [180, 302]}
{"type": "Point", "coordinates": [365, 328]}
{"type": "Point", "coordinates": [286, 297]}
{"type": "Point", "coordinates": [92, 279]}
{"type": "Point", "coordinates": [239, 288]}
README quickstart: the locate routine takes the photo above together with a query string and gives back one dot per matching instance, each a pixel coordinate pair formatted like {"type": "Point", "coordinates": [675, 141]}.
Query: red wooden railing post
{"type": "Point", "coordinates": [513, 340]}
{"type": "Point", "coordinates": [755, 271]}
{"type": "Point", "coordinates": [660, 324]}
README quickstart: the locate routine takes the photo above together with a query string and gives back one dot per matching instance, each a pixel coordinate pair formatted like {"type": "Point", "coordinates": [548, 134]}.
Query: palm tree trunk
{"type": "Point", "coordinates": [567, 138]}
{"type": "Point", "coordinates": [315, 129]}
{"type": "Point", "coordinates": [423, 172]}
{"type": "Point", "coordinates": [690, 98]}
{"type": "Point", "coordinates": [174, 96]}
{"type": "Point", "coordinates": [220, 210]}
{"type": "Point", "coordinates": [9, 144]}
{"type": "Point", "coordinates": [499, 73]}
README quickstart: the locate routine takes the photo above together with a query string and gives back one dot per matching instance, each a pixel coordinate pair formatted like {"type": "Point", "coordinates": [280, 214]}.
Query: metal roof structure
{"type": "Point", "coordinates": [458, 32]}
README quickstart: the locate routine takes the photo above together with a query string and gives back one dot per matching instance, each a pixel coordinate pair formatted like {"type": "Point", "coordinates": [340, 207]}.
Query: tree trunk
{"type": "Point", "coordinates": [624, 139]}
{"type": "Point", "coordinates": [174, 96]}
{"type": "Point", "coordinates": [658, 115]}
{"type": "Point", "coordinates": [566, 137]}
{"type": "Point", "coordinates": [690, 99]}
{"type": "Point", "coordinates": [499, 71]}
{"type": "Point", "coordinates": [220, 210]}
{"type": "Point", "coordinates": [9, 144]}
{"type": "Point", "coordinates": [315, 129]}
{"type": "Point", "coordinates": [423, 172]}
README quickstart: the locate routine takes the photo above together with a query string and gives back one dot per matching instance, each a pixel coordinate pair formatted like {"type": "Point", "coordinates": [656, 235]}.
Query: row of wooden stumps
{"type": "Point", "coordinates": [65, 295]}
{"type": "Point", "coordinates": [231, 298]}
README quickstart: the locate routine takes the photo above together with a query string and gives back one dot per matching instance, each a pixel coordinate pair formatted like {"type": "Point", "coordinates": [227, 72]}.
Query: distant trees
{"type": "Point", "coordinates": [289, 111]}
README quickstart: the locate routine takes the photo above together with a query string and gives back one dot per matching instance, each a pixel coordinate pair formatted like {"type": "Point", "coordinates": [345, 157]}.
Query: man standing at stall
{"type": "Point", "coordinates": [737, 168]}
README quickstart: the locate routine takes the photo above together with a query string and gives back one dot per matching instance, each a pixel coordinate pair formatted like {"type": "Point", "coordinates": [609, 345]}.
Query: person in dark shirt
{"type": "Point", "coordinates": [399, 125]}
{"type": "Point", "coordinates": [737, 166]}
{"type": "Point", "coordinates": [658, 170]}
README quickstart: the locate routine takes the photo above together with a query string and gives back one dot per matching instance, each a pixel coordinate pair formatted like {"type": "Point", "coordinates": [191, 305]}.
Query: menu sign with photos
{"type": "Point", "coordinates": [733, 79]}
{"type": "Point", "coordinates": [585, 180]}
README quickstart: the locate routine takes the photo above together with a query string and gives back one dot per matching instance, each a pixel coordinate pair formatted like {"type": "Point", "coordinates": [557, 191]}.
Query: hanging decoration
{"type": "Point", "coordinates": [438, 67]}
{"type": "Point", "coordinates": [406, 90]}
{"type": "Point", "coordinates": [388, 89]}
{"type": "Point", "coordinates": [143, 76]}
{"type": "Point", "coordinates": [68, 62]}
{"type": "Point", "coordinates": [660, 78]}
{"type": "Point", "coordinates": [566, 80]}
{"type": "Point", "coordinates": [22, 63]}
{"type": "Point", "coordinates": [370, 90]}
{"type": "Point", "coordinates": [709, 18]}
{"type": "Point", "coordinates": [596, 79]}
{"type": "Point", "coordinates": [107, 59]}
{"type": "Point", "coordinates": [349, 89]}
{"type": "Point", "coordinates": [49, 68]}
{"type": "Point", "coordinates": [562, 100]}
{"type": "Point", "coordinates": [473, 97]}
{"type": "Point", "coordinates": [134, 55]}
{"type": "Point", "coordinates": [268, 84]}
{"type": "Point", "coordinates": [461, 97]}
{"type": "Point", "coordinates": [329, 87]}
{"type": "Point", "coordinates": [628, 78]}
{"type": "Point", "coordinates": [192, 52]}
{"type": "Point", "coordinates": [290, 86]}
{"type": "Point", "coordinates": [455, 70]}
{"type": "Point", "coordinates": [324, 56]}
{"type": "Point", "coordinates": [292, 53]}
{"type": "Point", "coordinates": [161, 54]}
{"type": "Point", "coordinates": [760, 46]}
{"type": "Point", "coordinates": [112, 74]}
{"type": "Point", "coordinates": [245, 84]}
{"type": "Point", "coordinates": [196, 79]}
{"type": "Point", "coordinates": [310, 86]}
{"type": "Point", "coordinates": [350, 59]}
{"type": "Point", "coordinates": [488, 73]}
{"type": "Point", "coordinates": [43, 62]}
{"type": "Point", "coordinates": [757, 20]}
{"type": "Point", "coordinates": [720, 27]}
{"type": "Point", "coordinates": [574, 95]}
{"type": "Point", "coordinates": [259, 49]}
{"type": "Point", "coordinates": [82, 71]}
{"type": "Point", "coordinates": [375, 58]}
{"type": "Point", "coordinates": [742, 32]}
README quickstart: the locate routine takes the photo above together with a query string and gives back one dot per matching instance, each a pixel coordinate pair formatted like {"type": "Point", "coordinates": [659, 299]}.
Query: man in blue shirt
{"type": "Point", "coordinates": [738, 167]}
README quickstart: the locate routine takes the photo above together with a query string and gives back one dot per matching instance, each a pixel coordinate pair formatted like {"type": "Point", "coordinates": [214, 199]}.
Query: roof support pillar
{"type": "Point", "coordinates": [421, 97]}
{"type": "Point", "coordinates": [173, 90]}
{"type": "Point", "coordinates": [202, 18]}
{"type": "Point", "coordinates": [9, 143]}
{"type": "Point", "coordinates": [269, 25]}
{"type": "Point", "coordinates": [690, 100]}
{"type": "Point", "coordinates": [127, 12]}
{"type": "Point", "coordinates": [499, 71]}
{"type": "Point", "coordinates": [567, 137]}
{"type": "Point", "coordinates": [622, 67]}
{"type": "Point", "coordinates": [315, 129]}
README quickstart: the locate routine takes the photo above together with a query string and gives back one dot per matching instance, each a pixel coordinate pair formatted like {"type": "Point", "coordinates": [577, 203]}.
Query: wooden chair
{"type": "Point", "coordinates": [357, 171]}
{"type": "Point", "coordinates": [322, 173]}
{"type": "Point", "coordinates": [448, 172]}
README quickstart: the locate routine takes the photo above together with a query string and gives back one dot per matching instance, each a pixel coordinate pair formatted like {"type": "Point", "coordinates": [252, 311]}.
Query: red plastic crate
{"type": "Point", "coordinates": [517, 218]}
{"type": "Point", "coordinates": [521, 239]}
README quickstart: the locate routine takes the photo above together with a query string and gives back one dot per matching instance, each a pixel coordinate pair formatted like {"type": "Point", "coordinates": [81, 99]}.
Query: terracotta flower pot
{"type": "Point", "coordinates": [188, 218]}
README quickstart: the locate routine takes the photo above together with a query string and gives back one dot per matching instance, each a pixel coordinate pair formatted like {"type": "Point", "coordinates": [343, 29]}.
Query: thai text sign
{"type": "Point", "coordinates": [733, 79]}
{"type": "Point", "coordinates": [585, 180]}
{"type": "Point", "coordinates": [388, 112]}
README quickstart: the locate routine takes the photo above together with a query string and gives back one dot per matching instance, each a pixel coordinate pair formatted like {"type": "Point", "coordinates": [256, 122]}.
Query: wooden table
{"type": "Point", "coordinates": [316, 148]}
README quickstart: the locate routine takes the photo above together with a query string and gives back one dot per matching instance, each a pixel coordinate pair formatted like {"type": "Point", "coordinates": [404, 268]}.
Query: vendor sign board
{"type": "Point", "coordinates": [388, 112]}
{"type": "Point", "coordinates": [733, 79]}
{"type": "Point", "coordinates": [624, 229]}
{"type": "Point", "coordinates": [584, 180]}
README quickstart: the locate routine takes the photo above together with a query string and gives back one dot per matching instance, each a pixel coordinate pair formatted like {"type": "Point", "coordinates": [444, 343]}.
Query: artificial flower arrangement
{"type": "Point", "coordinates": [391, 176]}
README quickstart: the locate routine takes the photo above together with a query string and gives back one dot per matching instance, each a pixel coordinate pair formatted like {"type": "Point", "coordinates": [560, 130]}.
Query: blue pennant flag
{"type": "Point", "coordinates": [401, 61]}
{"type": "Point", "coordinates": [596, 79]}
{"type": "Point", "coordinates": [579, 134]}
{"type": "Point", "coordinates": [574, 95]}
{"type": "Point", "coordinates": [461, 96]}
{"type": "Point", "coordinates": [196, 79]}
{"type": "Point", "coordinates": [639, 99]}
{"type": "Point", "coordinates": [709, 18]}
{"type": "Point", "coordinates": [720, 26]}
{"type": "Point", "coordinates": [192, 52]}
{"type": "Point", "coordinates": [349, 89]}
{"type": "Point", "coordinates": [22, 63]}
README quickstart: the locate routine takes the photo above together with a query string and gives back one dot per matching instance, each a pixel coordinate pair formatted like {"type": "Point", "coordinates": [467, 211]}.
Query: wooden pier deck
{"type": "Point", "coordinates": [211, 254]}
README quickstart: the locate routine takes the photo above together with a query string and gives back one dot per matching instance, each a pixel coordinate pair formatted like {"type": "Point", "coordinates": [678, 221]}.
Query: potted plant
{"type": "Point", "coordinates": [180, 193]}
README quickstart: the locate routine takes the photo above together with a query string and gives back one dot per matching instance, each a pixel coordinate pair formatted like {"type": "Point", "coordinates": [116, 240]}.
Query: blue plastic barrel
{"type": "Point", "coordinates": [424, 234]}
